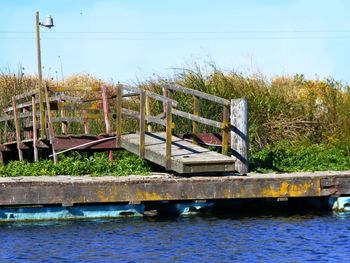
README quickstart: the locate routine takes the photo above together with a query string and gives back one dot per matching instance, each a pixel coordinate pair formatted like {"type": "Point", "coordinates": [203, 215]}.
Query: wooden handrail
{"type": "Point", "coordinates": [197, 93]}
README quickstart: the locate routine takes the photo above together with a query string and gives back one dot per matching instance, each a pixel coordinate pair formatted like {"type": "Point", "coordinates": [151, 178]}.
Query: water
{"type": "Point", "coordinates": [320, 237]}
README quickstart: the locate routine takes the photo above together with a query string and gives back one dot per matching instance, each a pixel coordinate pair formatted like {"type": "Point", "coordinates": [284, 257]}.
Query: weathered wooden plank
{"type": "Point", "coordinates": [239, 134]}
{"type": "Point", "coordinates": [148, 113]}
{"type": "Point", "coordinates": [63, 97]}
{"type": "Point", "coordinates": [225, 130]}
{"type": "Point", "coordinates": [193, 117]}
{"type": "Point", "coordinates": [27, 94]}
{"type": "Point", "coordinates": [20, 116]}
{"type": "Point", "coordinates": [67, 119]}
{"type": "Point", "coordinates": [162, 187]}
{"type": "Point", "coordinates": [50, 125]}
{"type": "Point", "coordinates": [142, 124]}
{"type": "Point", "coordinates": [71, 106]}
{"type": "Point", "coordinates": [18, 106]}
{"type": "Point", "coordinates": [18, 131]}
{"type": "Point", "coordinates": [185, 157]}
{"type": "Point", "coordinates": [35, 131]}
{"type": "Point", "coordinates": [149, 119]}
{"type": "Point", "coordinates": [75, 88]}
{"type": "Point", "coordinates": [195, 129]}
{"type": "Point", "coordinates": [168, 131]}
{"type": "Point", "coordinates": [197, 93]}
{"type": "Point", "coordinates": [164, 99]}
{"type": "Point", "coordinates": [105, 109]}
{"type": "Point", "coordinates": [119, 112]}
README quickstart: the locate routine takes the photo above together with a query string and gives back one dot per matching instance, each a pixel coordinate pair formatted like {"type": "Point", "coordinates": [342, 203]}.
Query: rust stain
{"type": "Point", "coordinates": [289, 190]}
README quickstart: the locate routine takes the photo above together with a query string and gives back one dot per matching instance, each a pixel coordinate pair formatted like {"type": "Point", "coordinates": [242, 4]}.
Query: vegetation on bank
{"type": "Point", "coordinates": [296, 124]}
{"type": "Point", "coordinates": [80, 164]}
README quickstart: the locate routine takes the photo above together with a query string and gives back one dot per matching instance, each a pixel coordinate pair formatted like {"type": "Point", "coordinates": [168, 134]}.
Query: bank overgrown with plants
{"type": "Point", "coordinates": [296, 124]}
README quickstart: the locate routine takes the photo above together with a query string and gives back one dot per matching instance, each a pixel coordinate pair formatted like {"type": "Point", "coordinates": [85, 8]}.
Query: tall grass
{"type": "Point", "coordinates": [284, 110]}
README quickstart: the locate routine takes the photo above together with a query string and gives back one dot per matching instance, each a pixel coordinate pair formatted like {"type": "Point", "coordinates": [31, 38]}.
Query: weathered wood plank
{"type": "Point", "coordinates": [18, 131]}
{"type": "Point", "coordinates": [75, 88]}
{"type": "Point", "coordinates": [225, 130]}
{"type": "Point", "coordinates": [119, 106]}
{"type": "Point", "coordinates": [239, 134]}
{"type": "Point", "coordinates": [71, 106]}
{"type": "Point", "coordinates": [197, 93]}
{"type": "Point", "coordinates": [142, 124]}
{"type": "Point", "coordinates": [105, 109]}
{"type": "Point", "coordinates": [27, 94]}
{"type": "Point", "coordinates": [35, 131]}
{"type": "Point", "coordinates": [195, 128]}
{"type": "Point", "coordinates": [185, 157]}
{"type": "Point", "coordinates": [193, 117]}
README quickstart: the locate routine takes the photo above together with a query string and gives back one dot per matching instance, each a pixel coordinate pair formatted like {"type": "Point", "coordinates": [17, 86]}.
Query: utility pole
{"type": "Point", "coordinates": [48, 23]}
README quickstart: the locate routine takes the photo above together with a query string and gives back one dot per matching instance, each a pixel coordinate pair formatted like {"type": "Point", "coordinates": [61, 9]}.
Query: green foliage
{"type": "Point", "coordinates": [76, 164]}
{"type": "Point", "coordinates": [287, 157]}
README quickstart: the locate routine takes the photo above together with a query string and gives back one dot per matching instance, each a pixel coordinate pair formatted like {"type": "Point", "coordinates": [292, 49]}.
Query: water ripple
{"type": "Point", "coordinates": [297, 238]}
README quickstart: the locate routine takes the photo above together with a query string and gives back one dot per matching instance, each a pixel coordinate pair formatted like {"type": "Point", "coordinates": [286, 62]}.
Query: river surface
{"type": "Point", "coordinates": [315, 237]}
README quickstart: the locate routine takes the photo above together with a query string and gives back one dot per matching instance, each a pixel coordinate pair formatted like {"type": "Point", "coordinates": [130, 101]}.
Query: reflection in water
{"type": "Point", "coordinates": [287, 238]}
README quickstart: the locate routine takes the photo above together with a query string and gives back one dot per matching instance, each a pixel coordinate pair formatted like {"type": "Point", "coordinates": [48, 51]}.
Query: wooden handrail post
{"type": "Point", "coordinates": [119, 117]}
{"type": "Point", "coordinates": [18, 131]}
{"type": "Point", "coordinates": [105, 109]}
{"type": "Point", "coordinates": [225, 129]}
{"type": "Point", "coordinates": [142, 123]}
{"type": "Point", "coordinates": [195, 128]}
{"type": "Point", "coordinates": [169, 127]}
{"type": "Point", "coordinates": [50, 125]}
{"type": "Point", "coordinates": [148, 112]}
{"type": "Point", "coordinates": [35, 131]}
{"type": "Point", "coordinates": [239, 134]}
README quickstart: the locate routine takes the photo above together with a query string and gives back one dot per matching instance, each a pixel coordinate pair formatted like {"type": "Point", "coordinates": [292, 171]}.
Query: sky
{"type": "Point", "coordinates": [134, 40]}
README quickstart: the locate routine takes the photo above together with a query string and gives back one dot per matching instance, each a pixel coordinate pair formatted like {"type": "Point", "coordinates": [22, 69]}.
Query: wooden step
{"type": "Point", "coordinates": [185, 157]}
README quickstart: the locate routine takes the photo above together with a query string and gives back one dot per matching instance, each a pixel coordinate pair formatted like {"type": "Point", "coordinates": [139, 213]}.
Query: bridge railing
{"type": "Point", "coordinates": [143, 117]}
{"type": "Point", "coordinates": [19, 121]}
{"type": "Point", "coordinates": [196, 119]}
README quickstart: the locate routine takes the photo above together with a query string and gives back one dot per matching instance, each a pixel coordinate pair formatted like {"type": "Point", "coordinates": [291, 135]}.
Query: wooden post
{"type": "Point", "coordinates": [86, 122]}
{"type": "Point", "coordinates": [195, 123]}
{"type": "Point", "coordinates": [169, 126]}
{"type": "Point", "coordinates": [35, 131]}
{"type": "Point", "coordinates": [239, 134]}
{"type": "Point", "coordinates": [225, 129]}
{"type": "Point", "coordinates": [105, 109]}
{"type": "Point", "coordinates": [41, 86]}
{"type": "Point", "coordinates": [18, 131]}
{"type": "Point", "coordinates": [142, 124]}
{"type": "Point", "coordinates": [119, 117]}
{"type": "Point", "coordinates": [148, 112]}
{"type": "Point", "coordinates": [50, 125]}
{"type": "Point", "coordinates": [64, 125]}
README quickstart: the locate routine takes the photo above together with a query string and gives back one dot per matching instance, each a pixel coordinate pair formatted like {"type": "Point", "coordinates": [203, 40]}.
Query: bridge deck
{"type": "Point", "coordinates": [185, 158]}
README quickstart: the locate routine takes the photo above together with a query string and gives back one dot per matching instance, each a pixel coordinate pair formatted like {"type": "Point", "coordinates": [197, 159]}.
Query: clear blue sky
{"type": "Point", "coordinates": [131, 40]}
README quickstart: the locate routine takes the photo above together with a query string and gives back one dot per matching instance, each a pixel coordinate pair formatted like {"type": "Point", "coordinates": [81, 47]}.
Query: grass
{"type": "Point", "coordinates": [76, 164]}
{"type": "Point", "coordinates": [296, 124]}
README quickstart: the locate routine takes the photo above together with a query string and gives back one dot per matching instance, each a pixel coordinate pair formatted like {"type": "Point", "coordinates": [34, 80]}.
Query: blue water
{"type": "Point", "coordinates": [283, 238]}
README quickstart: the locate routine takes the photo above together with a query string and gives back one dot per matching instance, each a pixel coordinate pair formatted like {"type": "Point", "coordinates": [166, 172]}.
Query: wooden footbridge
{"type": "Point", "coordinates": [53, 120]}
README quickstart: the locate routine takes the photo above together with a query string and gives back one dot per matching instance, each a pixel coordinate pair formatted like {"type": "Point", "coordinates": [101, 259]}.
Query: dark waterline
{"type": "Point", "coordinates": [310, 237]}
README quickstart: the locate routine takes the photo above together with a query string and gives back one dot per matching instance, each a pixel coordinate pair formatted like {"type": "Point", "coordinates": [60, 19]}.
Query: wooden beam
{"type": "Point", "coordinates": [35, 131]}
{"type": "Point", "coordinates": [195, 128]}
{"type": "Point", "coordinates": [202, 120]}
{"type": "Point", "coordinates": [119, 128]}
{"type": "Point", "coordinates": [142, 124]}
{"type": "Point", "coordinates": [105, 109]}
{"type": "Point", "coordinates": [225, 129]}
{"type": "Point", "coordinates": [239, 134]}
{"type": "Point", "coordinates": [27, 94]}
{"type": "Point", "coordinates": [198, 94]}
{"type": "Point", "coordinates": [18, 131]}
{"type": "Point", "coordinates": [169, 126]}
